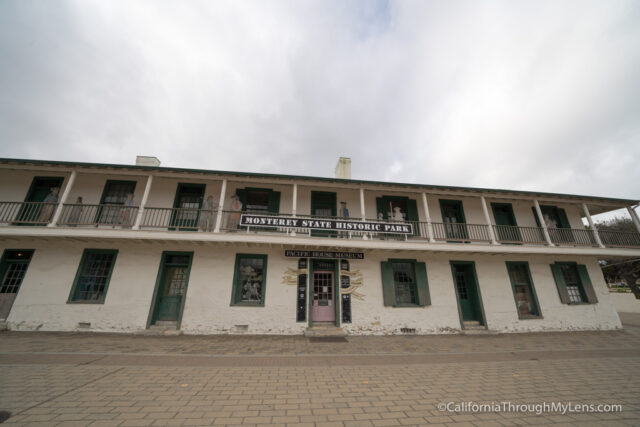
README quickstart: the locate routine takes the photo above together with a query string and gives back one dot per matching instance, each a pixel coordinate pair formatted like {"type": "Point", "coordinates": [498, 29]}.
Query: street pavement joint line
{"type": "Point", "coordinates": [88, 362]}
{"type": "Point", "coordinates": [67, 392]}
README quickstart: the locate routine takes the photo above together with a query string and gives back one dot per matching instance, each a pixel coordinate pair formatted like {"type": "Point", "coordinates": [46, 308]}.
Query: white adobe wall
{"type": "Point", "coordinates": [42, 301]}
{"type": "Point", "coordinates": [625, 302]}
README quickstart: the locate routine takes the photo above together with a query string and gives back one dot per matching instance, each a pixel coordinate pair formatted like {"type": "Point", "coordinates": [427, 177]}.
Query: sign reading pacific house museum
{"type": "Point", "coordinates": [324, 224]}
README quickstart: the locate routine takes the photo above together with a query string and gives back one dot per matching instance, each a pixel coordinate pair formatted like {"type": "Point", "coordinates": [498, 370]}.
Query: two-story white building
{"type": "Point", "coordinates": [127, 248]}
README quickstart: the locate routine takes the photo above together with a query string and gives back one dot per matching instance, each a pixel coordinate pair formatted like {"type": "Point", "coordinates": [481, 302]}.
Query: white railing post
{"type": "Point", "coordinates": [592, 225]}
{"type": "Point", "coordinates": [143, 203]}
{"type": "Point", "coordinates": [427, 217]}
{"type": "Point", "coordinates": [63, 199]}
{"type": "Point", "coordinates": [487, 219]}
{"type": "Point", "coordinates": [223, 190]}
{"type": "Point", "coordinates": [634, 217]}
{"type": "Point", "coordinates": [542, 223]}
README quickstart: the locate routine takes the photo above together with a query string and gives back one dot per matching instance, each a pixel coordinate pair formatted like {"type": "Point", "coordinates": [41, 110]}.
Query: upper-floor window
{"type": "Point", "coordinates": [259, 200]}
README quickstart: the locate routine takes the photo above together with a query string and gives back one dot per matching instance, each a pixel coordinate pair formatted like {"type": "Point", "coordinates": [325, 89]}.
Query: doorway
{"type": "Point", "coordinates": [187, 205]}
{"type": "Point", "coordinates": [467, 292]}
{"type": "Point", "coordinates": [324, 290]}
{"type": "Point", "coordinates": [13, 268]}
{"type": "Point", "coordinates": [323, 204]}
{"type": "Point", "coordinates": [171, 287]}
{"type": "Point", "coordinates": [506, 225]}
{"type": "Point", "coordinates": [453, 218]}
{"type": "Point", "coordinates": [32, 212]}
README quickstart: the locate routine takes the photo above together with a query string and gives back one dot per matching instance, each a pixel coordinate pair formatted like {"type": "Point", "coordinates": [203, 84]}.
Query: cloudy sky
{"type": "Point", "coordinates": [530, 95]}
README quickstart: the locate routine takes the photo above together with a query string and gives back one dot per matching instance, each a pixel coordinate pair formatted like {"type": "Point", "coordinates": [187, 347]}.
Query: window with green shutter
{"type": "Point", "coordinates": [259, 200]}
{"type": "Point", "coordinates": [93, 276]}
{"type": "Point", "coordinates": [404, 283]}
{"type": "Point", "coordinates": [573, 283]}
{"type": "Point", "coordinates": [249, 280]}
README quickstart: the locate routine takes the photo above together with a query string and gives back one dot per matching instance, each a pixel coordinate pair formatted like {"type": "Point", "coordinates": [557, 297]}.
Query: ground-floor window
{"type": "Point", "coordinates": [92, 278]}
{"type": "Point", "coordinates": [404, 283]}
{"type": "Point", "coordinates": [249, 281]}
{"type": "Point", "coordinates": [573, 283]}
{"type": "Point", "coordinates": [523, 291]}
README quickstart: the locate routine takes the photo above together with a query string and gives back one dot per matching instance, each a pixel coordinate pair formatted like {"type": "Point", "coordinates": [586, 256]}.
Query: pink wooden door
{"type": "Point", "coordinates": [323, 308]}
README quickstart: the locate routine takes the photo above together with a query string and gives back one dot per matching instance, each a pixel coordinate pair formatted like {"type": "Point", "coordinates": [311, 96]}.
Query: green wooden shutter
{"type": "Point", "coordinates": [380, 207]}
{"type": "Point", "coordinates": [564, 221]}
{"type": "Point", "coordinates": [274, 202]}
{"type": "Point", "coordinates": [587, 286]}
{"type": "Point", "coordinates": [423, 284]}
{"type": "Point", "coordinates": [560, 284]}
{"type": "Point", "coordinates": [535, 216]}
{"type": "Point", "coordinates": [388, 288]}
{"type": "Point", "coordinates": [242, 195]}
{"type": "Point", "coordinates": [412, 210]}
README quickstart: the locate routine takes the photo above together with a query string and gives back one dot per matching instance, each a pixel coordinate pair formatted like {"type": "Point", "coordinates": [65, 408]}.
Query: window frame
{"type": "Point", "coordinates": [531, 289]}
{"type": "Point", "coordinates": [6, 260]}
{"type": "Point", "coordinates": [76, 280]}
{"type": "Point", "coordinates": [589, 296]}
{"type": "Point", "coordinates": [235, 290]}
{"type": "Point", "coordinates": [423, 295]}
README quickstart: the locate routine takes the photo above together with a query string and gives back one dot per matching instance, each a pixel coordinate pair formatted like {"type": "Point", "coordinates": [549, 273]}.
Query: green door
{"type": "Point", "coordinates": [173, 281]}
{"type": "Point", "coordinates": [453, 219]}
{"type": "Point", "coordinates": [506, 225]}
{"type": "Point", "coordinates": [32, 212]}
{"type": "Point", "coordinates": [187, 206]}
{"type": "Point", "coordinates": [467, 291]}
{"type": "Point", "coordinates": [323, 204]}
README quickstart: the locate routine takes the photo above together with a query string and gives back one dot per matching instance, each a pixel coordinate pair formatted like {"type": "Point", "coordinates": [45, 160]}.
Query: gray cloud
{"type": "Point", "coordinates": [523, 95]}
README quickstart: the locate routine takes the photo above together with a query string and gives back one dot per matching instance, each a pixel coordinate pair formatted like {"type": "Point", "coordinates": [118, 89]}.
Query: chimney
{"type": "Point", "coordinates": [147, 161]}
{"type": "Point", "coordinates": [343, 168]}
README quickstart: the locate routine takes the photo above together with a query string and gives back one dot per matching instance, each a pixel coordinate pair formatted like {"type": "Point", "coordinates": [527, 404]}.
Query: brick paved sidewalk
{"type": "Point", "coordinates": [115, 380]}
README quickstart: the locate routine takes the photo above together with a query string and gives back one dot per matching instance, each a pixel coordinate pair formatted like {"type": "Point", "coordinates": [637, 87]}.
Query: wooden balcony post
{"type": "Point", "coordinates": [294, 206]}
{"type": "Point", "coordinates": [487, 219]}
{"type": "Point", "coordinates": [362, 211]}
{"type": "Point", "coordinates": [592, 225]}
{"type": "Point", "coordinates": [634, 217]}
{"type": "Point", "coordinates": [427, 217]}
{"type": "Point", "coordinates": [63, 199]}
{"type": "Point", "coordinates": [223, 190]}
{"type": "Point", "coordinates": [542, 223]}
{"type": "Point", "coordinates": [143, 203]}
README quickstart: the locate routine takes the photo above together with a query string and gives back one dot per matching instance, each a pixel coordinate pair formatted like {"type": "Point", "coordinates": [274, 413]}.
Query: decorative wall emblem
{"type": "Point", "coordinates": [353, 284]}
{"type": "Point", "coordinates": [291, 275]}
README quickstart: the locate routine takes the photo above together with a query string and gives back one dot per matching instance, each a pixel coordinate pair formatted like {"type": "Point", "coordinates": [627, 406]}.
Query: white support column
{"type": "Point", "coordinates": [294, 206]}
{"type": "Point", "coordinates": [427, 216]}
{"type": "Point", "coordinates": [223, 190]}
{"type": "Point", "coordinates": [542, 223]}
{"type": "Point", "coordinates": [63, 200]}
{"type": "Point", "coordinates": [487, 219]}
{"type": "Point", "coordinates": [143, 202]}
{"type": "Point", "coordinates": [362, 212]}
{"type": "Point", "coordinates": [592, 225]}
{"type": "Point", "coordinates": [634, 217]}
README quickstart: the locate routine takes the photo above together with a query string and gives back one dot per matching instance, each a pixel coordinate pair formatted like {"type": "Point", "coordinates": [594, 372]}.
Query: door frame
{"type": "Point", "coordinates": [460, 206]}
{"type": "Point", "coordinates": [4, 259]}
{"type": "Point", "coordinates": [156, 290]}
{"type": "Point", "coordinates": [474, 277]}
{"type": "Point", "coordinates": [104, 195]}
{"type": "Point", "coordinates": [172, 220]}
{"type": "Point", "coordinates": [514, 222]}
{"type": "Point", "coordinates": [30, 193]}
{"type": "Point", "coordinates": [336, 289]}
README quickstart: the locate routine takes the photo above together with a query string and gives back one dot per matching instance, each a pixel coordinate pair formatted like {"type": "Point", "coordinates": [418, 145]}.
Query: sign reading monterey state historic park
{"type": "Point", "coordinates": [325, 224]}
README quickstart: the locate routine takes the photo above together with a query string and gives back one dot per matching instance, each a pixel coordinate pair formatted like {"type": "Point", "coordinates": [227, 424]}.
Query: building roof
{"type": "Point", "coordinates": [625, 202]}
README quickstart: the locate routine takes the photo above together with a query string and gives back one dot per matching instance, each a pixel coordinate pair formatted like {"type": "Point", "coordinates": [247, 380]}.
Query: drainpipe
{"type": "Point", "coordinates": [63, 199]}
{"type": "Point", "coordinates": [143, 202]}
{"type": "Point", "coordinates": [542, 223]}
{"type": "Point", "coordinates": [223, 190]}
{"type": "Point", "coordinates": [592, 225]}
{"type": "Point", "coordinates": [492, 236]}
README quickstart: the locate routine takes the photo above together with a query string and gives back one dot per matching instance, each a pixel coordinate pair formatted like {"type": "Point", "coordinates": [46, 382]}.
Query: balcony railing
{"type": "Point", "coordinates": [186, 219]}
{"type": "Point", "coordinates": [26, 213]}
{"type": "Point", "coordinates": [623, 239]}
{"type": "Point", "coordinates": [191, 219]}
{"type": "Point", "coordinates": [81, 215]}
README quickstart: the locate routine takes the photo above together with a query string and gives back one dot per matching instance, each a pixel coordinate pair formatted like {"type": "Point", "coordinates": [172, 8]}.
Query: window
{"type": "Point", "coordinates": [573, 283]}
{"type": "Point", "coordinates": [117, 203]}
{"type": "Point", "coordinates": [404, 283]}
{"type": "Point", "coordinates": [249, 280]}
{"type": "Point", "coordinates": [92, 278]}
{"type": "Point", "coordinates": [258, 201]}
{"type": "Point", "coordinates": [523, 291]}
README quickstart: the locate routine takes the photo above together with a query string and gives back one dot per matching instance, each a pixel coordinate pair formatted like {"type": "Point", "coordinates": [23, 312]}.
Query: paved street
{"type": "Point", "coordinates": [124, 380]}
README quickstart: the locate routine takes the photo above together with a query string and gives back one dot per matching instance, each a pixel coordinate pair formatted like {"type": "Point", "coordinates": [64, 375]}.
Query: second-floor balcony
{"type": "Point", "coordinates": [214, 221]}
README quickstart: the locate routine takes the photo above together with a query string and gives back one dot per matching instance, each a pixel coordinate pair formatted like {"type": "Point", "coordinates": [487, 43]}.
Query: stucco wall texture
{"type": "Point", "coordinates": [42, 304]}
